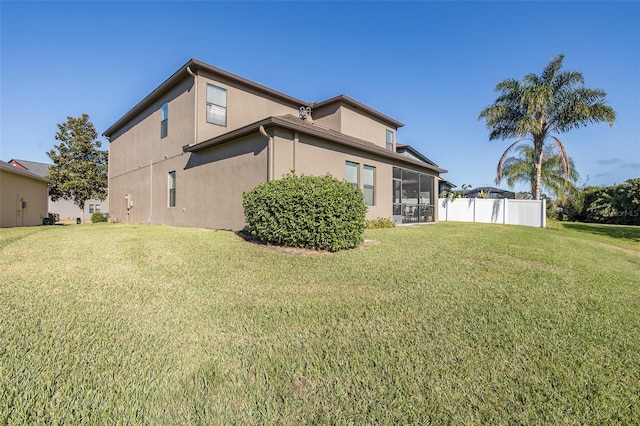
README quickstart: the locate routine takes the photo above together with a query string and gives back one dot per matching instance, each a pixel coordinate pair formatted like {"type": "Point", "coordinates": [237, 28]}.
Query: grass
{"type": "Point", "coordinates": [444, 324]}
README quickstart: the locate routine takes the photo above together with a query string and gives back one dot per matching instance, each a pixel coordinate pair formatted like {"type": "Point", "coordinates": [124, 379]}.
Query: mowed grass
{"type": "Point", "coordinates": [443, 324]}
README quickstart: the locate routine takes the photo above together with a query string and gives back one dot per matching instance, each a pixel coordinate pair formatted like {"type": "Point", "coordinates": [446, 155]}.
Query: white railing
{"type": "Point", "coordinates": [502, 210]}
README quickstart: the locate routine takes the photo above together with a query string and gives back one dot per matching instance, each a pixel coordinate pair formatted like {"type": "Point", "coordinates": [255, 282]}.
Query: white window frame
{"type": "Point", "coordinates": [390, 140]}
{"type": "Point", "coordinates": [215, 105]}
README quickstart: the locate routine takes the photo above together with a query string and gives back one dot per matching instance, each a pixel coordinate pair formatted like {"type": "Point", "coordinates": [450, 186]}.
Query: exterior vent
{"type": "Point", "coordinates": [305, 114]}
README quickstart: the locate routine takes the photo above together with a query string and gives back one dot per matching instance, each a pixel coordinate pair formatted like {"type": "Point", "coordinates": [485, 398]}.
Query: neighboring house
{"type": "Point", "coordinates": [409, 151]}
{"type": "Point", "coordinates": [23, 197]}
{"type": "Point", "coordinates": [64, 208]}
{"type": "Point", "coordinates": [186, 153]}
{"type": "Point", "coordinates": [490, 192]}
{"type": "Point", "coordinates": [445, 186]}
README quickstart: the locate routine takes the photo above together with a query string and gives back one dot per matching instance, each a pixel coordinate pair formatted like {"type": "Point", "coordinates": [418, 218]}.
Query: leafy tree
{"type": "Point", "coordinates": [79, 169]}
{"type": "Point", "coordinates": [538, 106]}
{"type": "Point", "coordinates": [520, 168]}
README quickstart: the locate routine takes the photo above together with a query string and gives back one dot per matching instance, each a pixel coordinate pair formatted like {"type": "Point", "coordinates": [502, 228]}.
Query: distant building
{"type": "Point", "coordinates": [64, 208]}
{"type": "Point", "coordinates": [490, 192]}
{"type": "Point", "coordinates": [23, 197]}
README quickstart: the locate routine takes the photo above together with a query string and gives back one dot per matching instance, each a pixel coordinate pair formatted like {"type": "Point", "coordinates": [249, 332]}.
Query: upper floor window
{"type": "Point", "coordinates": [390, 140]}
{"type": "Point", "coordinates": [351, 172]}
{"type": "Point", "coordinates": [216, 105]}
{"type": "Point", "coordinates": [164, 117]}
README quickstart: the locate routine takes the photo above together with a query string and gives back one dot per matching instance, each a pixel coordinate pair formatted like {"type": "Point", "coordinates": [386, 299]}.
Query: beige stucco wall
{"type": "Point", "coordinates": [138, 144]}
{"type": "Point", "coordinates": [15, 188]}
{"type": "Point", "coordinates": [209, 187]}
{"type": "Point", "coordinates": [343, 119]}
{"type": "Point", "coordinates": [244, 106]}
{"type": "Point", "coordinates": [139, 160]}
{"type": "Point", "coordinates": [314, 156]}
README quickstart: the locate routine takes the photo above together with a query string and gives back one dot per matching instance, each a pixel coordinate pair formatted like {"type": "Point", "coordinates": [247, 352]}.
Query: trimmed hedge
{"type": "Point", "coordinates": [318, 212]}
{"type": "Point", "coordinates": [98, 217]}
{"type": "Point", "coordinates": [379, 223]}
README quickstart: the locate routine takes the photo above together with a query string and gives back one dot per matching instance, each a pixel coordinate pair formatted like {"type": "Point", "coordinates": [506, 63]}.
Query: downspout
{"type": "Point", "coordinates": [296, 139]}
{"type": "Point", "coordinates": [269, 153]}
{"type": "Point", "coordinates": [150, 191]}
{"type": "Point", "coordinates": [195, 111]}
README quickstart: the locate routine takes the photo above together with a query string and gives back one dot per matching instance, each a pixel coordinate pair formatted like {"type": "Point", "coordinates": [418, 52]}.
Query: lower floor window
{"type": "Point", "coordinates": [172, 189]}
{"type": "Point", "coordinates": [368, 184]}
{"type": "Point", "coordinates": [351, 172]}
{"type": "Point", "coordinates": [94, 208]}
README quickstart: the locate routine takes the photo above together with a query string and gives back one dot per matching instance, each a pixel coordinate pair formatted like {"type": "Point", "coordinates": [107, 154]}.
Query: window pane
{"type": "Point", "coordinates": [389, 136]}
{"type": "Point", "coordinates": [216, 115]}
{"type": "Point", "coordinates": [97, 207]}
{"type": "Point", "coordinates": [368, 184]}
{"type": "Point", "coordinates": [397, 186]}
{"type": "Point", "coordinates": [165, 111]}
{"type": "Point", "coordinates": [389, 140]}
{"type": "Point", "coordinates": [409, 187]}
{"type": "Point", "coordinates": [172, 189]}
{"type": "Point", "coordinates": [397, 173]}
{"type": "Point", "coordinates": [351, 173]}
{"type": "Point", "coordinates": [164, 129]}
{"type": "Point", "coordinates": [426, 189]}
{"type": "Point", "coordinates": [216, 95]}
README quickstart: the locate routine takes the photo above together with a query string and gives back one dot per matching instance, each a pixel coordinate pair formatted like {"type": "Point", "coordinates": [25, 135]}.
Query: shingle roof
{"type": "Point", "coordinates": [194, 65]}
{"type": "Point", "coordinates": [294, 123]}
{"type": "Point", "coordinates": [40, 169]}
{"type": "Point", "coordinates": [13, 169]}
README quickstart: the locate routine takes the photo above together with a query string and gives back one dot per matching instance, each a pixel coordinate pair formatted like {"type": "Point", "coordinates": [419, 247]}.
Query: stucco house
{"type": "Point", "coordinates": [23, 197]}
{"type": "Point", "coordinates": [64, 208]}
{"type": "Point", "coordinates": [185, 153]}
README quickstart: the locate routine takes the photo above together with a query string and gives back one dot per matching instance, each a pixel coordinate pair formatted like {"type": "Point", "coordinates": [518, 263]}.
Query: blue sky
{"type": "Point", "coordinates": [430, 65]}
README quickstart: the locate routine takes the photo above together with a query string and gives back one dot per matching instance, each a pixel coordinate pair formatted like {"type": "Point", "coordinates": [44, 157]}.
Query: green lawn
{"type": "Point", "coordinates": [444, 324]}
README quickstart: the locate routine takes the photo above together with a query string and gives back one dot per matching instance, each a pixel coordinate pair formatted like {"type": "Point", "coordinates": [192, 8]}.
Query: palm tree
{"type": "Point", "coordinates": [520, 168]}
{"type": "Point", "coordinates": [536, 107]}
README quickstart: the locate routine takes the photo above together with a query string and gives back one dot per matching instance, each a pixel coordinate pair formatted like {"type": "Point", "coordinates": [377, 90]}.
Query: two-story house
{"type": "Point", "coordinates": [186, 153]}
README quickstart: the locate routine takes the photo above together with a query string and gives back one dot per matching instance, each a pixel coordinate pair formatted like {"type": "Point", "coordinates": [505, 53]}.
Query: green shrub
{"type": "Point", "coordinates": [98, 217]}
{"type": "Point", "coordinates": [380, 222]}
{"type": "Point", "coordinates": [318, 212]}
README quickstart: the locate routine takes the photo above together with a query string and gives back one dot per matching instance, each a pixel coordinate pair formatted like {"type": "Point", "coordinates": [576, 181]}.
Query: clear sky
{"type": "Point", "coordinates": [431, 65]}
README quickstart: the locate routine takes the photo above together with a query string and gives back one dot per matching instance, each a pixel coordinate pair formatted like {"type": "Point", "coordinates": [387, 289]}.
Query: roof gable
{"type": "Point", "coordinates": [16, 170]}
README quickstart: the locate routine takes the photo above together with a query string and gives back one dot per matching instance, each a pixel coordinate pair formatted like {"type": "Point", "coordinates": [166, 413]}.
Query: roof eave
{"type": "Point", "coordinates": [358, 105]}
{"type": "Point", "coordinates": [181, 74]}
{"type": "Point", "coordinates": [275, 121]}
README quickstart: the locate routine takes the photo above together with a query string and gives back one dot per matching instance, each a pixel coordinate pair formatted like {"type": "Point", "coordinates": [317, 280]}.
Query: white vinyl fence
{"type": "Point", "coordinates": [502, 210]}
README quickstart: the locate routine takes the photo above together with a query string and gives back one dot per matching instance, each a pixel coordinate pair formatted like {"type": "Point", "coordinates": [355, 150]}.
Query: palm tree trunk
{"type": "Point", "coordinates": [537, 159]}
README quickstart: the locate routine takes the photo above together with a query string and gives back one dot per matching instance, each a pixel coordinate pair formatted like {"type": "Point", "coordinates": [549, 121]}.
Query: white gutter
{"type": "Point", "coordinates": [269, 153]}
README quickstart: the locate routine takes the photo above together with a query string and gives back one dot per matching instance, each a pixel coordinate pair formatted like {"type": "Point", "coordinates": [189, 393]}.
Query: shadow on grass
{"type": "Point", "coordinates": [626, 232]}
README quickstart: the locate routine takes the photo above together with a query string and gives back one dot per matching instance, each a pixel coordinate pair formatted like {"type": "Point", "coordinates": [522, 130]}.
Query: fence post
{"type": "Point", "coordinates": [544, 212]}
{"type": "Point", "coordinates": [504, 211]}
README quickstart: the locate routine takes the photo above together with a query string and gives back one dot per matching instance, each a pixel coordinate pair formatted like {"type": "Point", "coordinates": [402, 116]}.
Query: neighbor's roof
{"type": "Point", "coordinates": [490, 189]}
{"type": "Point", "coordinates": [41, 169]}
{"type": "Point", "coordinates": [195, 65]}
{"type": "Point", "coordinates": [402, 148]}
{"type": "Point", "coordinates": [13, 169]}
{"type": "Point", "coordinates": [312, 129]}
